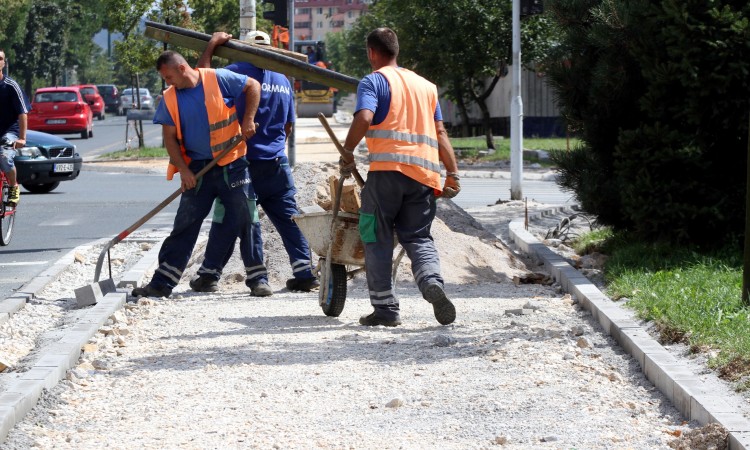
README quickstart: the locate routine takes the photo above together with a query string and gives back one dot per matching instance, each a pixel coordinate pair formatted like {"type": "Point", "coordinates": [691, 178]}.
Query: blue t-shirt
{"type": "Point", "coordinates": [275, 109]}
{"type": "Point", "coordinates": [196, 136]}
{"type": "Point", "coordinates": [12, 103]}
{"type": "Point", "coordinates": [374, 93]}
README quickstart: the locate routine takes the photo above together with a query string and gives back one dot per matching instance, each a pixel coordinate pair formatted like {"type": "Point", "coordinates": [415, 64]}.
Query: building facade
{"type": "Point", "coordinates": [313, 19]}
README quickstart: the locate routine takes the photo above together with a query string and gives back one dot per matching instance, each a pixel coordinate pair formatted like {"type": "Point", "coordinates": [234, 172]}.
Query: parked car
{"type": "Point", "coordinates": [61, 110]}
{"type": "Point", "coordinates": [94, 99]}
{"type": "Point", "coordinates": [128, 100]}
{"type": "Point", "coordinates": [45, 161]}
{"type": "Point", "coordinates": [111, 96]}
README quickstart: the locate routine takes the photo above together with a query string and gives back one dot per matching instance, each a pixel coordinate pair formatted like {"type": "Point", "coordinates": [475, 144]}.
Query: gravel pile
{"type": "Point", "coordinates": [522, 367]}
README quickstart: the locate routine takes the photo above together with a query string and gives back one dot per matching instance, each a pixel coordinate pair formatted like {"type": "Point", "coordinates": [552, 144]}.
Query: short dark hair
{"type": "Point", "coordinates": [169, 58]}
{"type": "Point", "coordinates": [383, 40]}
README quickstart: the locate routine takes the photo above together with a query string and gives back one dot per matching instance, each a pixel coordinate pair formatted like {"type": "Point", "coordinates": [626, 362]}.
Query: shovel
{"type": "Point", "coordinates": [89, 295]}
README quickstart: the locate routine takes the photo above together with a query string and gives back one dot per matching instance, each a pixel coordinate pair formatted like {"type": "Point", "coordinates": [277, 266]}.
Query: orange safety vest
{"type": "Point", "coordinates": [223, 124]}
{"type": "Point", "coordinates": [406, 140]}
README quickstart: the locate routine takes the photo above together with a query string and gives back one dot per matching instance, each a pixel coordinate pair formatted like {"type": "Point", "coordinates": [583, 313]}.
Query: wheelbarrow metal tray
{"type": "Point", "coordinates": [347, 245]}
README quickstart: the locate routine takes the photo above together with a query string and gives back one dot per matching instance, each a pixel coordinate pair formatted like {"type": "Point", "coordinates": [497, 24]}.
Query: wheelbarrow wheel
{"type": "Point", "coordinates": [334, 304]}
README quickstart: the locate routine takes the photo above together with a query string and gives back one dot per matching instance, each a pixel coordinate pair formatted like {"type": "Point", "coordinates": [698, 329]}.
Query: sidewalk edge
{"type": "Point", "coordinates": [685, 390]}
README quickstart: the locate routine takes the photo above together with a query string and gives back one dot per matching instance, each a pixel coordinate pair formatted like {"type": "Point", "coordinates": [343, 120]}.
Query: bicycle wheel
{"type": "Point", "coordinates": [7, 217]}
{"type": "Point", "coordinates": [336, 298]}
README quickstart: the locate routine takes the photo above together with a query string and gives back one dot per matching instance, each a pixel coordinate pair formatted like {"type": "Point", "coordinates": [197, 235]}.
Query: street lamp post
{"type": "Point", "coordinates": [516, 110]}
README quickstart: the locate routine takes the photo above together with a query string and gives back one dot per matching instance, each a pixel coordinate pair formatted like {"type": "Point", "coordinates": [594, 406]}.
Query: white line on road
{"type": "Point", "coordinates": [25, 263]}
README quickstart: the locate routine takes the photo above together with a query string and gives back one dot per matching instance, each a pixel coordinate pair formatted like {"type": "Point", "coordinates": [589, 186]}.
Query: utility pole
{"type": "Point", "coordinates": [292, 145]}
{"type": "Point", "coordinates": [746, 255]}
{"type": "Point", "coordinates": [247, 18]}
{"type": "Point", "coordinates": [516, 110]}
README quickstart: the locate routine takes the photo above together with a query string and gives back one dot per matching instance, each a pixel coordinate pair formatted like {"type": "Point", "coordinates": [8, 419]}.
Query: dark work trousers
{"type": "Point", "coordinates": [274, 189]}
{"type": "Point", "coordinates": [392, 202]}
{"type": "Point", "coordinates": [230, 184]}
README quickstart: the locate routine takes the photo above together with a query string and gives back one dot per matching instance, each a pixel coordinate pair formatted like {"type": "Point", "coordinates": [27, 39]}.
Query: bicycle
{"type": "Point", "coordinates": [7, 209]}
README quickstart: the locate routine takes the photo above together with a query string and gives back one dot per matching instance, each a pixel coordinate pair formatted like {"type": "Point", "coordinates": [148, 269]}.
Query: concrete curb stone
{"type": "Point", "coordinates": [57, 358]}
{"type": "Point", "coordinates": [675, 380]}
{"type": "Point", "coordinates": [23, 394]}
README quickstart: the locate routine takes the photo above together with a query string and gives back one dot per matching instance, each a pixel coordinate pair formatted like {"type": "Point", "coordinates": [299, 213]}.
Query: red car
{"type": "Point", "coordinates": [91, 95]}
{"type": "Point", "coordinates": [61, 110]}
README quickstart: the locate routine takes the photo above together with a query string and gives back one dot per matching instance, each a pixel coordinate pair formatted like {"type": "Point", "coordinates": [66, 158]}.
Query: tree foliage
{"type": "Point", "coordinates": [458, 46]}
{"type": "Point", "coordinates": [659, 94]}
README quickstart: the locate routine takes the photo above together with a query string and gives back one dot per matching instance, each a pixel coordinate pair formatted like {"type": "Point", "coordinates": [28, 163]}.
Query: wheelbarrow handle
{"type": "Point", "coordinates": [339, 147]}
{"type": "Point", "coordinates": [125, 233]}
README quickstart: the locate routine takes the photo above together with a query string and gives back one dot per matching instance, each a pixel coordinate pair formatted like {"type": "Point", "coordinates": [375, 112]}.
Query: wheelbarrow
{"type": "Point", "coordinates": [335, 234]}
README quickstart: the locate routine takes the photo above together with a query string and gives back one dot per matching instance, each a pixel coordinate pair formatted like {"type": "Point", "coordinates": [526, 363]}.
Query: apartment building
{"type": "Point", "coordinates": [314, 18]}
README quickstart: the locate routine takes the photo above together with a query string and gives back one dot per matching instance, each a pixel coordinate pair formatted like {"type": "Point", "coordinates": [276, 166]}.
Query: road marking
{"type": "Point", "coordinates": [57, 223]}
{"type": "Point", "coordinates": [27, 263]}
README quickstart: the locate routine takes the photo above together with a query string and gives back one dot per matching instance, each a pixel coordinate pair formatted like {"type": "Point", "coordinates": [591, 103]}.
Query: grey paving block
{"type": "Point", "coordinates": [704, 406]}
{"type": "Point", "coordinates": [76, 337]}
{"type": "Point", "coordinates": [92, 293]}
{"type": "Point", "coordinates": [739, 440]}
{"type": "Point", "coordinates": [732, 421]}
{"type": "Point", "coordinates": [636, 342]}
{"type": "Point", "coordinates": [59, 363]}
{"type": "Point", "coordinates": [36, 285]}
{"type": "Point", "coordinates": [7, 420]}
{"type": "Point", "coordinates": [147, 264]}
{"type": "Point", "coordinates": [48, 376]}
{"type": "Point", "coordinates": [69, 350]}
{"type": "Point", "coordinates": [12, 304]}
{"type": "Point", "coordinates": [30, 390]}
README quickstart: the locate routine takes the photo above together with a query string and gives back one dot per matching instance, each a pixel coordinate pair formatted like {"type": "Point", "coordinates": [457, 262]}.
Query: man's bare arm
{"type": "Point", "coordinates": [217, 39]}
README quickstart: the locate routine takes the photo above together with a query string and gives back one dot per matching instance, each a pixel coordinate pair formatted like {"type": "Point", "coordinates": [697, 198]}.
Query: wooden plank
{"type": "Point", "coordinates": [261, 57]}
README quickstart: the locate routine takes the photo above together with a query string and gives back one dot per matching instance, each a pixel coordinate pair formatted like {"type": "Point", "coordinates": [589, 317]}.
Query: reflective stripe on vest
{"type": "Point", "coordinates": [406, 140]}
{"type": "Point", "coordinates": [223, 125]}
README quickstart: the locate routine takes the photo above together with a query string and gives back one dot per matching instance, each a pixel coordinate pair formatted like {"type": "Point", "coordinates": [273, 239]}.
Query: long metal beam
{"type": "Point", "coordinates": [238, 51]}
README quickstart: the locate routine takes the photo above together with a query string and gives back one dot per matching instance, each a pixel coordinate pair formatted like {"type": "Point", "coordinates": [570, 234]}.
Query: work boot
{"type": "Point", "coordinates": [14, 194]}
{"type": "Point", "coordinates": [302, 284]}
{"type": "Point", "coordinates": [374, 319]}
{"type": "Point", "coordinates": [259, 288]}
{"type": "Point", "coordinates": [151, 291]}
{"type": "Point", "coordinates": [445, 312]}
{"type": "Point", "coordinates": [204, 283]}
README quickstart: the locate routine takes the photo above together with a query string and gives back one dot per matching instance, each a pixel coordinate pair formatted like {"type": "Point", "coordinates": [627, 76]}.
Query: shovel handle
{"type": "Point", "coordinates": [117, 239]}
{"type": "Point", "coordinates": [339, 147]}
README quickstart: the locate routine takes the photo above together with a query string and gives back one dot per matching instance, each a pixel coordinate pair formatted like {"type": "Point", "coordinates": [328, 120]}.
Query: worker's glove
{"type": "Point", "coordinates": [452, 187]}
{"type": "Point", "coordinates": [346, 168]}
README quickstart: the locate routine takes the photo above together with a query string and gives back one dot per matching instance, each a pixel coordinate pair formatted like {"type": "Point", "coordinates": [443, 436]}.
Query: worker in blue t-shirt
{"type": "Point", "coordinates": [200, 123]}
{"type": "Point", "coordinates": [272, 182]}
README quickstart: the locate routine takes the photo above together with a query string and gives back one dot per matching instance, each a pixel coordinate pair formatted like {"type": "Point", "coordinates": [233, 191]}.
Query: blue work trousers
{"type": "Point", "coordinates": [229, 183]}
{"type": "Point", "coordinates": [274, 189]}
{"type": "Point", "coordinates": [392, 202]}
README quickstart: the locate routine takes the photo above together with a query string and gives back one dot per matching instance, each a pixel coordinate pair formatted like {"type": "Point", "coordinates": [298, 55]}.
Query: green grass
{"type": "Point", "coordinates": [693, 296]}
{"type": "Point", "coordinates": [146, 152]}
{"type": "Point", "coordinates": [470, 147]}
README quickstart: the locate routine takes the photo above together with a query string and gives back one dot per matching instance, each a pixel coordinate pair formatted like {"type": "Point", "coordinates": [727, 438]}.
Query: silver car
{"type": "Point", "coordinates": [129, 101]}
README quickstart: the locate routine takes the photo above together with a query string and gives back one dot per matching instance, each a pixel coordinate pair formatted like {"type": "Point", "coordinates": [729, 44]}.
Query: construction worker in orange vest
{"type": "Point", "coordinates": [199, 121]}
{"type": "Point", "coordinates": [399, 115]}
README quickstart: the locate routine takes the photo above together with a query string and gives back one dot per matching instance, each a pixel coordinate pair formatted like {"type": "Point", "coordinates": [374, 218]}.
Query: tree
{"type": "Point", "coordinates": [41, 52]}
{"type": "Point", "coordinates": [458, 46]}
{"type": "Point", "coordinates": [660, 96]}
{"type": "Point", "coordinates": [224, 15]}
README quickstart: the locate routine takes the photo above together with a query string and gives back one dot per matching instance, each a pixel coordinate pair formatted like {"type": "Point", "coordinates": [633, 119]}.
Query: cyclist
{"type": "Point", "coordinates": [14, 108]}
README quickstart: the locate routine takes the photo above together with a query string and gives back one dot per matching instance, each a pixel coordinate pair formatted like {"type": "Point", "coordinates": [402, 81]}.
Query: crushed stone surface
{"type": "Point", "coordinates": [522, 367]}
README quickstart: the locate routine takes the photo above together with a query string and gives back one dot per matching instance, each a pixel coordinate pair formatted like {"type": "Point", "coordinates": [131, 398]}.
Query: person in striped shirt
{"type": "Point", "coordinates": [14, 107]}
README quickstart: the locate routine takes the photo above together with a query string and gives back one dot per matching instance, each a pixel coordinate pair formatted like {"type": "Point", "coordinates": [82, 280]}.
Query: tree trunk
{"type": "Point", "coordinates": [139, 128]}
{"type": "Point", "coordinates": [462, 109]}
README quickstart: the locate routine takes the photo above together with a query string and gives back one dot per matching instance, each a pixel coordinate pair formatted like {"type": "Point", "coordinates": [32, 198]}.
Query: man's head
{"type": "Point", "coordinates": [175, 70]}
{"type": "Point", "coordinates": [2, 61]}
{"type": "Point", "coordinates": [382, 47]}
